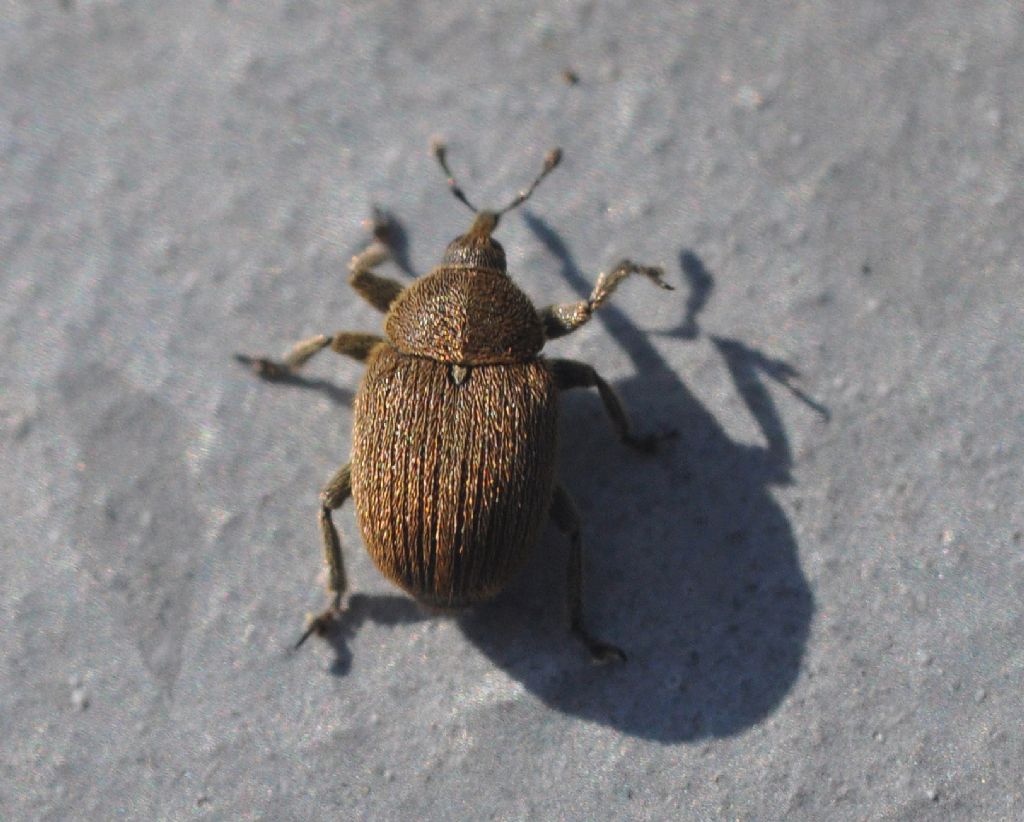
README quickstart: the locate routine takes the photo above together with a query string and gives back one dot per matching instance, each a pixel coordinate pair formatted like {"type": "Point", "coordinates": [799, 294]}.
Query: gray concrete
{"type": "Point", "coordinates": [820, 593]}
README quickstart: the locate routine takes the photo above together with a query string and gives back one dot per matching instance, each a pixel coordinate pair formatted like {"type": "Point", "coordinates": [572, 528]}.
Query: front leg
{"type": "Point", "coordinates": [378, 291]}
{"type": "Point", "coordinates": [560, 320]}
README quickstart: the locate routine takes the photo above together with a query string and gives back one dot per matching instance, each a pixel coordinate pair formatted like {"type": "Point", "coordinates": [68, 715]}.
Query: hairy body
{"type": "Point", "coordinates": [452, 489]}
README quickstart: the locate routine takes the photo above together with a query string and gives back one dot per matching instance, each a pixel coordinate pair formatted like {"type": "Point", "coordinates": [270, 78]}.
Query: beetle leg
{"type": "Point", "coordinates": [560, 320]}
{"type": "Point", "coordinates": [567, 518]}
{"type": "Point", "coordinates": [351, 343]}
{"type": "Point", "coordinates": [575, 374]}
{"type": "Point", "coordinates": [298, 356]}
{"type": "Point", "coordinates": [355, 344]}
{"type": "Point", "coordinates": [378, 291]}
{"type": "Point", "coordinates": [331, 498]}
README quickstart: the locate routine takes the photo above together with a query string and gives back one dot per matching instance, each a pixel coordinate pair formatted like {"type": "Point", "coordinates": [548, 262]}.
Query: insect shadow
{"type": "Point", "coordinates": [382, 609]}
{"type": "Point", "coordinates": [692, 565]}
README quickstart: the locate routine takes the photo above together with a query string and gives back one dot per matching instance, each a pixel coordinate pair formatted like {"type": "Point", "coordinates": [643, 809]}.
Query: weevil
{"type": "Point", "coordinates": [453, 464]}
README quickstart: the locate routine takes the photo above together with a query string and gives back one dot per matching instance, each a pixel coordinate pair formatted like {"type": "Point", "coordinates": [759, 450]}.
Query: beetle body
{"type": "Point", "coordinates": [455, 433]}
{"type": "Point", "coordinates": [452, 482]}
{"type": "Point", "coordinates": [455, 425]}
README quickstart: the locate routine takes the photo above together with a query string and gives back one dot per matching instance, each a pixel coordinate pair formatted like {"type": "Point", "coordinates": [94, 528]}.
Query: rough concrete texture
{"type": "Point", "coordinates": [819, 582]}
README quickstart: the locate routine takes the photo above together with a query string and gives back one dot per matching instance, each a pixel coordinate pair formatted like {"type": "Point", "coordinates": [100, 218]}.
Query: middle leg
{"type": "Point", "coordinates": [350, 343]}
{"type": "Point", "coordinates": [575, 374]}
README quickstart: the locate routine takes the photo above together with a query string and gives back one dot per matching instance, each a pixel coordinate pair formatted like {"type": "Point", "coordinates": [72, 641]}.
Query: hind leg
{"type": "Point", "coordinates": [331, 498]}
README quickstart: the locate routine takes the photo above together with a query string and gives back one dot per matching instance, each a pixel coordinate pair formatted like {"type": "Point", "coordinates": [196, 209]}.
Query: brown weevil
{"type": "Point", "coordinates": [455, 422]}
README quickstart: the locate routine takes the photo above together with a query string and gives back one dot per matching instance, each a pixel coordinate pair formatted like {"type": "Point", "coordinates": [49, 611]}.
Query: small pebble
{"type": "Point", "coordinates": [979, 695]}
{"type": "Point", "coordinates": [749, 98]}
{"type": "Point", "coordinates": [79, 698]}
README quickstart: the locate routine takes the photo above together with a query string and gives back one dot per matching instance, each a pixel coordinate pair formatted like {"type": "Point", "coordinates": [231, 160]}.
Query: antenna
{"type": "Point", "coordinates": [551, 161]}
{"type": "Point", "coordinates": [440, 151]}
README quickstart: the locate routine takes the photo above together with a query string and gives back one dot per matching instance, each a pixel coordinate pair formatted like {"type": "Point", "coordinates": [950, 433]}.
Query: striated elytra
{"type": "Point", "coordinates": [453, 466]}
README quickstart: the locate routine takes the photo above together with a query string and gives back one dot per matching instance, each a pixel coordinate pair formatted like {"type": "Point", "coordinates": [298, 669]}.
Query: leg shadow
{"type": "Point", "coordinates": [335, 393]}
{"type": "Point", "coordinates": [386, 609]}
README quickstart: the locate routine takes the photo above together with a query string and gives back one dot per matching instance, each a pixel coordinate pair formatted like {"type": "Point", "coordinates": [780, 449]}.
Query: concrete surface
{"type": "Point", "coordinates": [819, 582]}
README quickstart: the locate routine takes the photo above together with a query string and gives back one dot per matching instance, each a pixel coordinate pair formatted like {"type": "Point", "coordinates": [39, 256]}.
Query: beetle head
{"type": "Point", "coordinates": [477, 248]}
